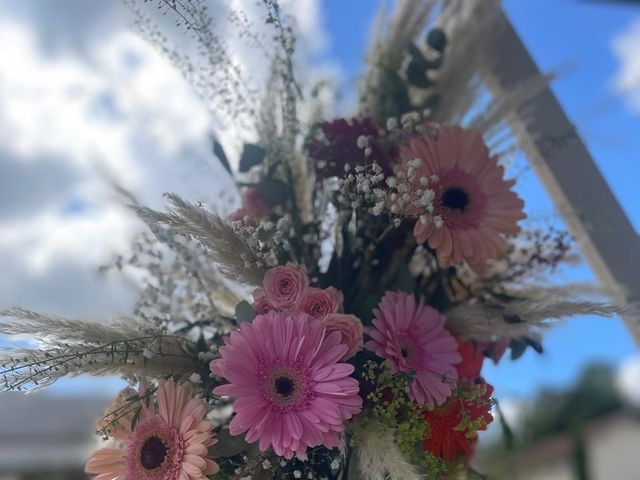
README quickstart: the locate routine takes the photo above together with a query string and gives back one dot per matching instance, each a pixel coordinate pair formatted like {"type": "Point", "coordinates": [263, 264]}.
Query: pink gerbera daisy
{"type": "Point", "coordinates": [473, 201]}
{"type": "Point", "coordinates": [412, 337]}
{"type": "Point", "coordinates": [290, 391]}
{"type": "Point", "coordinates": [171, 444]}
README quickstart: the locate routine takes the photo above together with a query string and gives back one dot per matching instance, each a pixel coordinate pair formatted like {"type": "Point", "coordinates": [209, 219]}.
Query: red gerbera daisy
{"type": "Point", "coordinates": [472, 360]}
{"type": "Point", "coordinates": [454, 426]}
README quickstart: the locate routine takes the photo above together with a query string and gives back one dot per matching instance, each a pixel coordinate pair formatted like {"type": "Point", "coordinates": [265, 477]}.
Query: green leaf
{"type": "Point", "coordinates": [252, 155]}
{"type": "Point", "coordinates": [202, 344]}
{"type": "Point", "coordinates": [219, 152]}
{"type": "Point", "coordinates": [354, 472]}
{"type": "Point", "coordinates": [228, 446]}
{"type": "Point", "coordinates": [134, 420]}
{"type": "Point", "coordinates": [535, 344]}
{"type": "Point", "coordinates": [518, 347]}
{"type": "Point", "coordinates": [437, 40]}
{"type": "Point", "coordinates": [417, 75]}
{"type": "Point", "coordinates": [507, 432]}
{"type": "Point", "coordinates": [404, 281]}
{"type": "Point", "coordinates": [511, 318]}
{"type": "Point", "coordinates": [244, 312]}
{"type": "Point", "coordinates": [274, 192]}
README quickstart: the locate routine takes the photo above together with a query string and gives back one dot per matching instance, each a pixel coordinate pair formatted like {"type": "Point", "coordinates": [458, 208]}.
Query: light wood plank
{"type": "Point", "coordinates": [560, 158]}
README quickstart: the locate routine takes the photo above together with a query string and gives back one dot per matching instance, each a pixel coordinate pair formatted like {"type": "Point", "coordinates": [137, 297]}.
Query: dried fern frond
{"type": "Point", "coordinates": [379, 457]}
{"type": "Point", "coordinates": [233, 254]}
{"type": "Point", "coordinates": [25, 369]}
{"type": "Point", "coordinates": [471, 32]}
{"type": "Point", "coordinates": [477, 321]}
{"type": "Point", "coordinates": [392, 36]}
{"type": "Point", "coordinates": [46, 327]}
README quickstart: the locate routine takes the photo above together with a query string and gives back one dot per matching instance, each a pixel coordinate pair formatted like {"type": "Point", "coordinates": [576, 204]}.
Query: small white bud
{"type": "Point", "coordinates": [362, 142]}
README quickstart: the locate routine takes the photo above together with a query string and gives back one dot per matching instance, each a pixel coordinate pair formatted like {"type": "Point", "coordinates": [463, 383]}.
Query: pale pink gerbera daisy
{"type": "Point", "coordinates": [169, 445]}
{"type": "Point", "coordinates": [412, 337]}
{"type": "Point", "coordinates": [290, 391]}
{"type": "Point", "coordinates": [473, 200]}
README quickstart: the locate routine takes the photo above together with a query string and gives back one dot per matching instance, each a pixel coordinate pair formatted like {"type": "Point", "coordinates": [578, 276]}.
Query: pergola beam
{"type": "Point", "coordinates": [583, 198]}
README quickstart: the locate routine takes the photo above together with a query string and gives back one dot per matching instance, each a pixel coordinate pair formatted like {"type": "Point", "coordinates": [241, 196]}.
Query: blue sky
{"type": "Point", "coordinates": [574, 37]}
{"type": "Point", "coordinates": [56, 76]}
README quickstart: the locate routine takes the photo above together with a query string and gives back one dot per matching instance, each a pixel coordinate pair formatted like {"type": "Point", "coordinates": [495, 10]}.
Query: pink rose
{"type": "Point", "coordinates": [319, 303]}
{"type": "Point", "coordinates": [350, 328]}
{"type": "Point", "coordinates": [285, 286]}
{"type": "Point", "coordinates": [260, 303]}
{"type": "Point", "coordinates": [254, 204]}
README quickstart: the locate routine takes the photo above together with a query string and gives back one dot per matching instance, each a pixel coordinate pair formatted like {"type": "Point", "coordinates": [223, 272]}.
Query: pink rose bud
{"type": "Point", "coordinates": [350, 328]}
{"type": "Point", "coordinates": [319, 303]}
{"type": "Point", "coordinates": [260, 303]}
{"type": "Point", "coordinates": [285, 286]}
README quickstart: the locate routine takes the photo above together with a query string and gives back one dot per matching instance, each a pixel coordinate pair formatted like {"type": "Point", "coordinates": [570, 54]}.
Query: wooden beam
{"type": "Point", "coordinates": [560, 158]}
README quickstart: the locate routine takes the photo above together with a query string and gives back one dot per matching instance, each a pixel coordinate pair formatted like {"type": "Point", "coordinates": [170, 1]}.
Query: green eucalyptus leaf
{"type": "Point", "coordinates": [135, 419]}
{"type": "Point", "coordinates": [518, 348]}
{"type": "Point", "coordinates": [274, 192]}
{"type": "Point", "coordinates": [219, 152]}
{"type": "Point", "coordinates": [507, 432]}
{"type": "Point", "coordinates": [417, 75]}
{"type": "Point", "coordinates": [437, 39]}
{"type": "Point", "coordinates": [404, 281]}
{"type": "Point", "coordinates": [511, 318]}
{"type": "Point", "coordinates": [252, 155]}
{"type": "Point", "coordinates": [228, 445]}
{"type": "Point", "coordinates": [354, 472]}
{"type": "Point", "coordinates": [535, 344]}
{"type": "Point", "coordinates": [244, 312]}
{"type": "Point", "coordinates": [418, 58]}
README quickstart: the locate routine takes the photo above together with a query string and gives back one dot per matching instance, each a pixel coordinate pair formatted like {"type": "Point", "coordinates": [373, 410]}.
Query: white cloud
{"type": "Point", "coordinates": [80, 95]}
{"type": "Point", "coordinates": [626, 47]}
{"type": "Point", "coordinates": [628, 379]}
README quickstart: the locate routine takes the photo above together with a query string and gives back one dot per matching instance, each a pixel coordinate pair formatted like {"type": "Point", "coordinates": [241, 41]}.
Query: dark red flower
{"type": "Point", "coordinates": [472, 359]}
{"type": "Point", "coordinates": [454, 426]}
{"type": "Point", "coordinates": [336, 144]}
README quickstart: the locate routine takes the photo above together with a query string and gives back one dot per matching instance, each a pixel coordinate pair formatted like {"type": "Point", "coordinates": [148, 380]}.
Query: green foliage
{"type": "Point", "coordinates": [252, 155]}
{"type": "Point", "coordinates": [220, 155]}
{"type": "Point", "coordinates": [244, 312]}
{"type": "Point", "coordinates": [274, 192]}
{"type": "Point", "coordinates": [580, 464]}
{"type": "Point", "coordinates": [553, 412]}
{"type": "Point", "coordinates": [391, 407]}
{"type": "Point", "coordinates": [565, 411]}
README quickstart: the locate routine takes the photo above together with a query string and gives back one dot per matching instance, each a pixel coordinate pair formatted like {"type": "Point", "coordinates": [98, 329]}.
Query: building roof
{"type": "Point", "coordinates": [40, 431]}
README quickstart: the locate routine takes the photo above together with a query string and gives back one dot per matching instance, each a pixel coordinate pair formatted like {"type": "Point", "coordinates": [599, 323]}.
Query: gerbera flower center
{"type": "Point", "coordinates": [455, 198]}
{"type": "Point", "coordinates": [407, 350]}
{"type": "Point", "coordinates": [153, 453]}
{"type": "Point", "coordinates": [284, 386]}
{"type": "Point", "coordinates": [156, 451]}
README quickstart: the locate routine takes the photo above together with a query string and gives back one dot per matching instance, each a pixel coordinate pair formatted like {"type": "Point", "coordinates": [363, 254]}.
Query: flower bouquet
{"type": "Point", "coordinates": [336, 324]}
